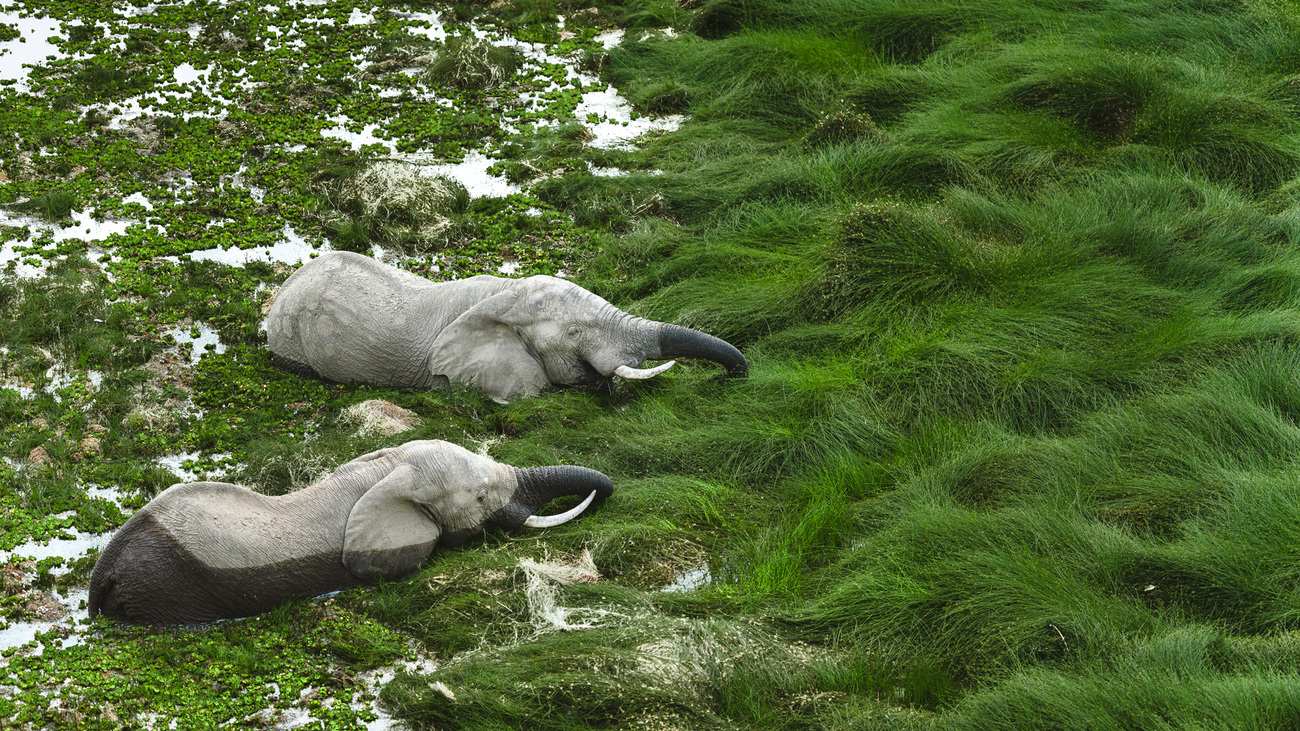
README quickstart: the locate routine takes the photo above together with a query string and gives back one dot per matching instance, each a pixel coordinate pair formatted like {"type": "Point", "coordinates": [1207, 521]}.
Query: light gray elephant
{"type": "Point", "coordinates": [210, 550]}
{"type": "Point", "coordinates": [348, 318]}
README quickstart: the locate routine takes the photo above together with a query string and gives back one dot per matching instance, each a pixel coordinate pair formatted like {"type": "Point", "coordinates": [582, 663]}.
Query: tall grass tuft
{"type": "Point", "coordinates": [390, 203]}
{"type": "Point", "coordinates": [55, 206]}
{"type": "Point", "coordinates": [656, 670]}
{"type": "Point", "coordinates": [470, 63]}
{"type": "Point", "coordinates": [887, 252]}
{"type": "Point", "coordinates": [1174, 679]}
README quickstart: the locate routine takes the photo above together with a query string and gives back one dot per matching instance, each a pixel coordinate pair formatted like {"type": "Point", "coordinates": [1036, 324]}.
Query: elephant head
{"type": "Point", "coordinates": [549, 331]}
{"type": "Point", "coordinates": [208, 550]}
{"type": "Point", "coordinates": [392, 527]}
{"type": "Point", "coordinates": [348, 318]}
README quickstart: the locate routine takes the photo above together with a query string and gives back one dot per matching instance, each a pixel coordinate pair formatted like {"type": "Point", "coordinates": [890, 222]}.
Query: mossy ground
{"type": "Point", "coordinates": [1018, 283]}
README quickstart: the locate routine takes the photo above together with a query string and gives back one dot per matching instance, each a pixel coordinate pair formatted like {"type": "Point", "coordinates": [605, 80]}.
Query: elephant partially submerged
{"type": "Point", "coordinates": [348, 318]}
{"type": "Point", "coordinates": [210, 550]}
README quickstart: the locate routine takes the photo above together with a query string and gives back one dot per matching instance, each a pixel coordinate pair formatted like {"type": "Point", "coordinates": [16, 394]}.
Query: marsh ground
{"type": "Point", "coordinates": [1018, 283]}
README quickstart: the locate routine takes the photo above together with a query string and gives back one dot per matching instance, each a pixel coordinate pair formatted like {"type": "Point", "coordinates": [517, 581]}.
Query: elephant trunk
{"type": "Point", "coordinates": [676, 341]}
{"type": "Point", "coordinates": [537, 486]}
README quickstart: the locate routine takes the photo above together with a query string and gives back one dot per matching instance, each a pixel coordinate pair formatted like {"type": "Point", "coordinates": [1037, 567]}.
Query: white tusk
{"type": "Point", "coordinates": [550, 521]}
{"type": "Point", "coordinates": [639, 373]}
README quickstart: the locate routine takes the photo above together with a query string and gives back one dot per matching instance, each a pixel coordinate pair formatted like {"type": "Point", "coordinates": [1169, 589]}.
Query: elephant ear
{"type": "Point", "coordinates": [388, 534]}
{"type": "Point", "coordinates": [482, 347]}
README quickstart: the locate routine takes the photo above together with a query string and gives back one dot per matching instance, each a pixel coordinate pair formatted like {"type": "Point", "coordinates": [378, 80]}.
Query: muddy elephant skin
{"type": "Point", "coordinates": [204, 551]}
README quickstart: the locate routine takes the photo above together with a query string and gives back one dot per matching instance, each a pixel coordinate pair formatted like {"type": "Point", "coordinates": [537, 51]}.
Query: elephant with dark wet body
{"type": "Point", "coordinates": [348, 318]}
{"type": "Point", "coordinates": [210, 550]}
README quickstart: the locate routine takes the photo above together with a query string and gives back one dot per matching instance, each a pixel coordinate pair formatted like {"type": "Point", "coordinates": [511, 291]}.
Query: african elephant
{"type": "Point", "coordinates": [348, 318]}
{"type": "Point", "coordinates": [210, 550]}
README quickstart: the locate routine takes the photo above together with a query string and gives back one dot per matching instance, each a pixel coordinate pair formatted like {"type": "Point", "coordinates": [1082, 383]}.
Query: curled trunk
{"type": "Point", "coordinates": [676, 341]}
{"type": "Point", "coordinates": [540, 485]}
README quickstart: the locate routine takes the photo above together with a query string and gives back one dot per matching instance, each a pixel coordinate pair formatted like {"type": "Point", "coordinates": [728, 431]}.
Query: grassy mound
{"type": "Point", "coordinates": [1017, 284]}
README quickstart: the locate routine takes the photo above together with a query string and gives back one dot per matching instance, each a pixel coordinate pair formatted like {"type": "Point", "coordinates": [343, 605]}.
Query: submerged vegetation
{"type": "Point", "coordinates": [1018, 283]}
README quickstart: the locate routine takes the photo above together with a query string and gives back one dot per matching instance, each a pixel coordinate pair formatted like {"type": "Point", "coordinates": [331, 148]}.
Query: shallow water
{"type": "Point", "coordinates": [616, 128]}
{"type": "Point", "coordinates": [61, 377]}
{"type": "Point", "coordinates": [294, 250]}
{"type": "Point", "coordinates": [356, 140]}
{"type": "Point", "coordinates": [18, 634]}
{"type": "Point", "coordinates": [190, 90]}
{"type": "Point", "coordinates": [31, 48]}
{"type": "Point", "coordinates": [472, 172]}
{"type": "Point", "coordinates": [67, 548]}
{"type": "Point", "coordinates": [198, 344]}
{"type": "Point", "coordinates": [690, 581]}
{"type": "Point", "coordinates": [173, 462]}
{"type": "Point", "coordinates": [376, 679]}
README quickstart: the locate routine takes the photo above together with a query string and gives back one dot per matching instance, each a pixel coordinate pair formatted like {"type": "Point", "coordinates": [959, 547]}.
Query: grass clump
{"type": "Point", "coordinates": [689, 673]}
{"type": "Point", "coordinates": [54, 206]}
{"type": "Point", "coordinates": [393, 204]}
{"type": "Point", "coordinates": [888, 252]}
{"type": "Point", "coordinates": [837, 128]}
{"type": "Point", "coordinates": [1174, 678]}
{"type": "Point", "coordinates": [465, 62]}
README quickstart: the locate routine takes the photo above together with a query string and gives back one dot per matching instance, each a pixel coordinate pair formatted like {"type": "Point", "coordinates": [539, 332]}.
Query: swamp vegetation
{"type": "Point", "coordinates": [1019, 283]}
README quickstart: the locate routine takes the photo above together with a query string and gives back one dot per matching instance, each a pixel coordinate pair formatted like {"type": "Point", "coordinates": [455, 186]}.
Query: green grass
{"type": "Point", "coordinates": [1019, 288]}
{"type": "Point", "coordinates": [1020, 312]}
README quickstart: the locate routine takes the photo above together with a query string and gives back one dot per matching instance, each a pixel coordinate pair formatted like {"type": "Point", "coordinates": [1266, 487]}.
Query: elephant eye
{"type": "Point", "coordinates": [574, 331]}
{"type": "Point", "coordinates": [482, 496]}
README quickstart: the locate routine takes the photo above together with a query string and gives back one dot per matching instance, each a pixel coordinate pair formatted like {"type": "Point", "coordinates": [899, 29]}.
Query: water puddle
{"type": "Point", "coordinates": [24, 392]}
{"type": "Point", "coordinates": [472, 172]}
{"type": "Point", "coordinates": [206, 340]}
{"type": "Point", "coordinates": [690, 581]}
{"type": "Point", "coordinates": [425, 25]}
{"type": "Point", "coordinates": [61, 378]}
{"type": "Point", "coordinates": [618, 128]}
{"type": "Point", "coordinates": [374, 680]}
{"type": "Point", "coordinates": [107, 494]}
{"type": "Point", "coordinates": [58, 378]}
{"type": "Point", "coordinates": [66, 548]}
{"type": "Point", "coordinates": [175, 463]}
{"type": "Point", "coordinates": [140, 199]}
{"type": "Point", "coordinates": [51, 609]}
{"type": "Point", "coordinates": [29, 256]}
{"type": "Point", "coordinates": [31, 48]}
{"type": "Point", "coordinates": [294, 250]}
{"type": "Point", "coordinates": [72, 610]}
{"type": "Point", "coordinates": [356, 140]}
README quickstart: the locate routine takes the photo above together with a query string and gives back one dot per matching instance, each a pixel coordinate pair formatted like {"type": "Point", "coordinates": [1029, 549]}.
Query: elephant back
{"type": "Point", "coordinates": [347, 318]}
{"type": "Point", "coordinates": [206, 551]}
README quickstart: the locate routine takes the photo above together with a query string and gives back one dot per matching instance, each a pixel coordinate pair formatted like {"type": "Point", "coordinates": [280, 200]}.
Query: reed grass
{"type": "Point", "coordinates": [1017, 285]}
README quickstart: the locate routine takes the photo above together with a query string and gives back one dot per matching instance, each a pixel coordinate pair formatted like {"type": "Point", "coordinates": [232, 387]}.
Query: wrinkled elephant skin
{"type": "Point", "coordinates": [350, 319]}
{"type": "Point", "coordinates": [204, 551]}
